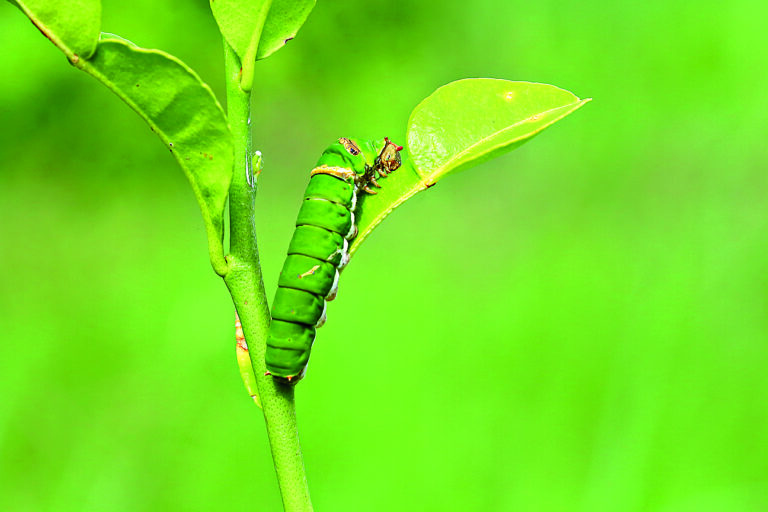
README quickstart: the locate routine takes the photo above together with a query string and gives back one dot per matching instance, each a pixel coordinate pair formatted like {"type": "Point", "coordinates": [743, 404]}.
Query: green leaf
{"type": "Point", "coordinates": [256, 29]}
{"type": "Point", "coordinates": [460, 125]}
{"type": "Point", "coordinates": [164, 91]}
{"type": "Point", "coordinates": [469, 121]}
{"type": "Point", "coordinates": [184, 113]}
{"type": "Point", "coordinates": [72, 25]}
{"type": "Point", "coordinates": [285, 19]}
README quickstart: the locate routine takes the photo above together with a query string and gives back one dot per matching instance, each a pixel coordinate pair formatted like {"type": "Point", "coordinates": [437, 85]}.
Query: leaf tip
{"type": "Point", "coordinates": [580, 103]}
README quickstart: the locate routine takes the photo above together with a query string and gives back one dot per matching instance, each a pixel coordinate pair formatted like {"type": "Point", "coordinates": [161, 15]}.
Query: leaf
{"type": "Point", "coordinates": [164, 91]}
{"type": "Point", "coordinates": [184, 113]}
{"type": "Point", "coordinates": [256, 29]}
{"type": "Point", "coordinates": [72, 25]}
{"type": "Point", "coordinates": [460, 125]}
{"type": "Point", "coordinates": [469, 121]}
{"type": "Point", "coordinates": [283, 23]}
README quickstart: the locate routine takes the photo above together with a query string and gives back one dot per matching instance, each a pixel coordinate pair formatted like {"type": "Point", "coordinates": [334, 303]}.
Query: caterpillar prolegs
{"type": "Point", "coordinates": [319, 248]}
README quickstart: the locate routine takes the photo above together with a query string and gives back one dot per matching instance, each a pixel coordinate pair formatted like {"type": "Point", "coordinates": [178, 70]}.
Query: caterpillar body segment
{"type": "Point", "coordinates": [318, 250]}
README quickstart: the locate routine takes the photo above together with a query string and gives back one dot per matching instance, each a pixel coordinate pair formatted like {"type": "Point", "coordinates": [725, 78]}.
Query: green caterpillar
{"type": "Point", "coordinates": [318, 249]}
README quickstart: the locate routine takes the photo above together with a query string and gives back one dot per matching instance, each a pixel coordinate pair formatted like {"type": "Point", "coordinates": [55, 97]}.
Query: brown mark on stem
{"type": "Point", "coordinates": [239, 335]}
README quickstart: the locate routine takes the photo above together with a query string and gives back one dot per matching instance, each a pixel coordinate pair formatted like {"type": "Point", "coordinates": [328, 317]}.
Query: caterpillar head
{"type": "Point", "coordinates": [389, 158]}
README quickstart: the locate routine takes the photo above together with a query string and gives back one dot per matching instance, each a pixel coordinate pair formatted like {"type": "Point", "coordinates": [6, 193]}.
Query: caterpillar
{"type": "Point", "coordinates": [318, 250]}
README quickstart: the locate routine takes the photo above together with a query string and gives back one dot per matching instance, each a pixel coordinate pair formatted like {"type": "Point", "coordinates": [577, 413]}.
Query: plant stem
{"type": "Point", "coordinates": [246, 286]}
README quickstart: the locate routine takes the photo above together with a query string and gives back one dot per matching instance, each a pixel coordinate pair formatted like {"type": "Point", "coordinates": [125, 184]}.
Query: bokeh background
{"type": "Point", "coordinates": [579, 325]}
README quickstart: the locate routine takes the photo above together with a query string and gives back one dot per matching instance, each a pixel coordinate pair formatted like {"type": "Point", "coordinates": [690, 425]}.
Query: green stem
{"type": "Point", "coordinates": [247, 289]}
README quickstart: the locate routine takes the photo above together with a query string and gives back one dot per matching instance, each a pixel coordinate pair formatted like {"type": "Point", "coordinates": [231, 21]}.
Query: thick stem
{"type": "Point", "coordinates": [247, 289]}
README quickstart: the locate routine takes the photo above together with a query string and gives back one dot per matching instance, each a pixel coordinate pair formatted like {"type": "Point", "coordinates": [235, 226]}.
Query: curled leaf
{"type": "Point", "coordinates": [166, 93]}
{"type": "Point", "coordinates": [184, 113]}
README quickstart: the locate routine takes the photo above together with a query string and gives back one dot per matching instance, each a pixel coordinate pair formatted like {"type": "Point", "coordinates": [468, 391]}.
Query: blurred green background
{"type": "Point", "coordinates": [614, 271]}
